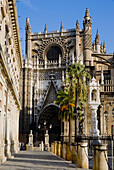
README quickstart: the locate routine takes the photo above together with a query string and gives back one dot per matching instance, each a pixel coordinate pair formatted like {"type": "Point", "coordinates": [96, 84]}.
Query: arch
{"type": "Point", "coordinates": [94, 95]}
{"type": "Point", "coordinates": [50, 46]}
{"type": "Point", "coordinates": [49, 114]}
{"type": "Point", "coordinates": [48, 105]}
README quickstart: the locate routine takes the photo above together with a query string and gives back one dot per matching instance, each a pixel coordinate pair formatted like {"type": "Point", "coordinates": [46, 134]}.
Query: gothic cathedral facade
{"type": "Point", "coordinates": [48, 54]}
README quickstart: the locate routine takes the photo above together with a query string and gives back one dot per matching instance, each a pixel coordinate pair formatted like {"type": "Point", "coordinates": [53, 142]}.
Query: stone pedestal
{"type": "Point", "coordinates": [59, 148]}
{"type": "Point", "coordinates": [46, 141]}
{"type": "Point", "coordinates": [82, 155]}
{"type": "Point", "coordinates": [8, 149]}
{"type": "Point", "coordinates": [55, 147]}
{"type": "Point", "coordinates": [68, 151]}
{"type": "Point", "coordinates": [12, 147]}
{"type": "Point", "coordinates": [31, 138]}
{"type": "Point", "coordinates": [52, 147]}
{"type": "Point", "coordinates": [42, 146]}
{"type": "Point", "coordinates": [64, 151]}
{"type": "Point", "coordinates": [94, 102]}
{"type": "Point", "coordinates": [74, 153]}
{"type": "Point", "coordinates": [3, 157]}
{"type": "Point", "coordinates": [100, 157]}
{"type": "Point", "coordinates": [30, 145]}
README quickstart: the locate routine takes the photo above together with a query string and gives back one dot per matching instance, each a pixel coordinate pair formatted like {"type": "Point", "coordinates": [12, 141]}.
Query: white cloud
{"type": "Point", "coordinates": [28, 3]}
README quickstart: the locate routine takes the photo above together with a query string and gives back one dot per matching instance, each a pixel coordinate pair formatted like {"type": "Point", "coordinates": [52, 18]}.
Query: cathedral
{"type": "Point", "coordinates": [47, 56]}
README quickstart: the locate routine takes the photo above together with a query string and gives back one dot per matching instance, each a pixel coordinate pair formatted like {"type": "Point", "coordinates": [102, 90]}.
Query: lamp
{"type": "Point", "coordinates": [39, 126]}
{"type": "Point", "coordinates": [44, 122]}
{"type": "Point", "coordinates": [50, 126]}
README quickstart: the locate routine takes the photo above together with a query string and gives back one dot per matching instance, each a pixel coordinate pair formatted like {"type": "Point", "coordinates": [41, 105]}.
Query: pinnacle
{"type": "Point", "coordinates": [27, 20]}
{"type": "Point", "coordinates": [77, 24]}
{"type": "Point", "coordinates": [45, 26]}
{"type": "Point", "coordinates": [87, 14]}
{"type": "Point", "coordinates": [97, 35]}
{"type": "Point", "coordinates": [61, 24]}
{"type": "Point", "coordinates": [104, 46]}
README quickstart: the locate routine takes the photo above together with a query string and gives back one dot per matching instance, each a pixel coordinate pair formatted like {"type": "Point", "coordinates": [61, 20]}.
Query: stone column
{"type": "Point", "coordinates": [45, 62]}
{"type": "Point", "coordinates": [59, 148]}
{"type": "Point", "coordinates": [8, 137]}
{"type": "Point", "coordinates": [64, 151]}
{"type": "Point", "coordinates": [55, 147]}
{"type": "Point", "coordinates": [8, 124]}
{"type": "Point", "coordinates": [68, 151]}
{"type": "Point", "coordinates": [2, 122]}
{"type": "Point", "coordinates": [73, 59]}
{"type": "Point", "coordinates": [100, 157]}
{"type": "Point", "coordinates": [52, 147]}
{"type": "Point", "coordinates": [82, 155]}
{"type": "Point", "coordinates": [42, 146]}
{"type": "Point", "coordinates": [59, 60]}
{"type": "Point", "coordinates": [63, 75]}
{"type": "Point", "coordinates": [74, 153]}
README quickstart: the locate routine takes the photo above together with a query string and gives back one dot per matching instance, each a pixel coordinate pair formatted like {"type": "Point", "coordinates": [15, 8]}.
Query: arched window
{"type": "Point", "coordinates": [94, 95]}
{"type": "Point", "coordinates": [53, 53]}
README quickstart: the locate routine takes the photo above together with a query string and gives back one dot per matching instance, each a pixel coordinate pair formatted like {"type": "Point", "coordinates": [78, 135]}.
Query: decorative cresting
{"type": "Point", "coordinates": [41, 46]}
{"type": "Point", "coordinates": [94, 102]}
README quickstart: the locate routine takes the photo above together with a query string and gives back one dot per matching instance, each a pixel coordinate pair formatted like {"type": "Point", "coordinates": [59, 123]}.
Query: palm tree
{"type": "Point", "coordinates": [77, 76]}
{"type": "Point", "coordinates": [77, 79]}
{"type": "Point", "coordinates": [75, 92]}
{"type": "Point", "coordinates": [66, 104]}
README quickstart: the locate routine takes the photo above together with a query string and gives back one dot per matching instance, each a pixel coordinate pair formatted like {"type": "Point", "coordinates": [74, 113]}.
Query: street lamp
{"type": "Point", "coordinates": [106, 117]}
{"type": "Point", "coordinates": [45, 132]}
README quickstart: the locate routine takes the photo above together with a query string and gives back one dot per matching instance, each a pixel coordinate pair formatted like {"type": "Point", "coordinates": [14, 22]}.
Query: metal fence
{"type": "Point", "coordinates": [108, 140]}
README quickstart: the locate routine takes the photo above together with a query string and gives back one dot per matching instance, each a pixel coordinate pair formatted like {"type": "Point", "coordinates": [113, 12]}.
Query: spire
{"type": "Point", "coordinates": [27, 25]}
{"type": "Point", "coordinates": [97, 35]}
{"type": "Point", "coordinates": [77, 24]}
{"type": "Point", "coordinates": [104, 47]}
{"type": "Point", "coordinates": [94, 45]}
{"type": "Point", "coordinates": [61, 25]}
{"type": "Point", "coordinates": [97, 39]}
{"type": "Point", "coordinates": [27, 20]}
{"type": "Point", "coordinates": [61, 29]}
{"type": "Point", "coordinates": [45, 28]}
{"type": "Point", "coordinates": [87, 14]}
{"type": "Point", "coordinates": [87, 19]}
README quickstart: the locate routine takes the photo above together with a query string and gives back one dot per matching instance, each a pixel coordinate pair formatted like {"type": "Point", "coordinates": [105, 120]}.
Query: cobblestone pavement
{"type": "Point", "coordinates": [37, 160]}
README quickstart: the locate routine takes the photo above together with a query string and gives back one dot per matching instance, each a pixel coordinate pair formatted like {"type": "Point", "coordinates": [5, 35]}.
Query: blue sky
{"type": "Point", "coordinates": [52, 12]}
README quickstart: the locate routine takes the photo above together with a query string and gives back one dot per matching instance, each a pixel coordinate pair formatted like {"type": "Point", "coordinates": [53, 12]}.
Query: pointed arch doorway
{"type": "Point", "coordinates": [49, 114]}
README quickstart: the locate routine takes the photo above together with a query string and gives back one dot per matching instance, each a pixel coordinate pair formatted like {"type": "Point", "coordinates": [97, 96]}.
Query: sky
{"type": "Point", "coordinates": [52, 12]}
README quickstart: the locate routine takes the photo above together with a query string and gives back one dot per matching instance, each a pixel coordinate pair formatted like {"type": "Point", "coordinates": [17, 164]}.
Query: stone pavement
{"type": "Point", "coordinates": [30, 160]}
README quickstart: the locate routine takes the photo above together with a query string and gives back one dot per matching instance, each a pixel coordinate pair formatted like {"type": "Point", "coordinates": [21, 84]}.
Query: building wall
{"type": "Point", "coordinates": [10, 65]}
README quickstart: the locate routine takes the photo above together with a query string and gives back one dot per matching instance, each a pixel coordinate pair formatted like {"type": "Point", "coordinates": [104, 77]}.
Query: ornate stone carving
{"type": "Point", "coordinates": [94, 102]}
{"type": "Point", "coordinates": [46, 75]}
{"type": "Point", "coordinates": [41, 46]}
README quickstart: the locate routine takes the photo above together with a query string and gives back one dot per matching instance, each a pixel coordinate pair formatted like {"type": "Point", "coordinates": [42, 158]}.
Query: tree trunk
{"type": "Point", "coordinates": [70, 128]}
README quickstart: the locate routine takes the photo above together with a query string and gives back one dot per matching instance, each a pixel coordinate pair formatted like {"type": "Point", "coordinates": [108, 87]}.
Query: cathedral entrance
{"type": "Point", "coordinates": [49, 123]}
